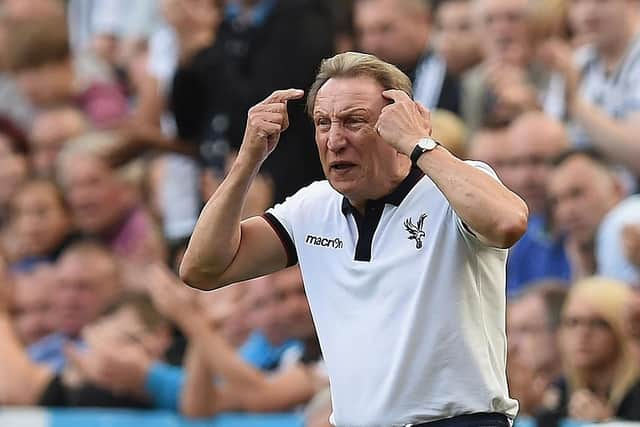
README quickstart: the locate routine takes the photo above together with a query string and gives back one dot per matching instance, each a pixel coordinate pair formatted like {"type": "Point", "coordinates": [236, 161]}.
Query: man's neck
{"type": "Point", "coordinates": [384, 189]}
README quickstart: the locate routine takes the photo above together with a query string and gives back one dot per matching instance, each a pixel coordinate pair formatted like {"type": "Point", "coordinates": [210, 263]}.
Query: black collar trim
{"type": "Point", "coordinates": [394, 198]}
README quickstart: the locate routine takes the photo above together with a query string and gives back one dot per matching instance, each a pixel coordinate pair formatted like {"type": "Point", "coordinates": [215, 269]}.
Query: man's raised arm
{"type": "Point", "coordinates": [223, 249]}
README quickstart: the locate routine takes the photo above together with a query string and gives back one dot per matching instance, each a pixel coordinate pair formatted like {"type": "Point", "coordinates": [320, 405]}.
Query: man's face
{"type": "Point", "coordinates": [385, 29]}
{"type": "Point", "coordinates": [581, 194]}
{"type": "Point", "coordinates": [599, 21]}
{"type": "Point", "coordinates": [32, 304]}
{"type": "Point", "coordinates": [292, 312]}
{"type": "Point", "coordinates": [49, 132]}
{"type": "Point", "coordinates": [262, 310]}
{"type": "Point", "coordinates": [534, 145]}
{"type": "Point", "coordinates": [587, 340]}
{"type": "Point", "coordinates": [47, 85]}
{"type": "Point", "coordinates": [504, 27]}
{"type": "Point", "coordinates": [93, 192]}
{"type": "Point", "coordinates": [493, 148]}
{"type": "Point", "coordinates": [457, 39]}
{"type": "Point", "coordinates": [530, 336]}
{"type": "Point", "coordinates": [355, 159]}
{"type": "Point", "coordinates": [40, 219]}
{"type": "Point", "coordinates": [86, 285]}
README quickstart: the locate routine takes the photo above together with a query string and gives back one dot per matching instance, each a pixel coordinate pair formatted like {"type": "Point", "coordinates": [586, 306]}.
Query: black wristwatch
{"type": "Point", "coordinates": [423, 145]}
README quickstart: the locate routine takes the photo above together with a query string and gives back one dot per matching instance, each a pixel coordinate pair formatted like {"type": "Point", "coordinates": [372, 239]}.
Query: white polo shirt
{"type": "Point", "coordinates": [410, 313]}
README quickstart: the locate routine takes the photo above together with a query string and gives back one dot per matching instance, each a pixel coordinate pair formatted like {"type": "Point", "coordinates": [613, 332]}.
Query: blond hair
{"type": "Point", "coordinates": [354, 64]}
{"type": "Point", "coordinates": [608, 297]}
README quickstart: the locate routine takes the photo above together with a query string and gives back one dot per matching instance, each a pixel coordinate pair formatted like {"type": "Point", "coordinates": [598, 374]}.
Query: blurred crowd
{"type": "Point", "coordinates": [118, 119]}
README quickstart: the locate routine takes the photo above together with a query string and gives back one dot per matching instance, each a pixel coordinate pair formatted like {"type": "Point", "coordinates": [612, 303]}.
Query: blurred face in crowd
{"type": "Point", "coordinates": [86, 284]}
{"type": "Point", "coordinates": [32, 296]}
{"type": "Point", "coordinates": [355, 159]}
{"type": "Point", "coordinates": [504, 28]}
{"type": "Point", "coordinates": [260, 309]}
{"type": "Point", "coordinates": [292, 313]}
{"type": "Point", "coordinates": [456, 36]}
{"type": "Point", "coordinates": [587, 339]}
{"type": "Point", "coordinates": [47, 85]}
{"type": "Point", "coordinates": [530, 336]}
{"type": "Point", "coordinates": [602, 22]}
{"type": "Point", "coordinates": [96, 195]}
{"type": "Point", "coordinates": [535, 141]}
{"type": "Point", "coordinates": [492, 147]}
{"type": "Point", "coordinates": [13, 170]}
{"type": "Point", "coordinates": [393, 30]}
{"type": "Point", "coordinates": [581, 194]}
{"type": "Point", "coordinates": [124, 327]}
{"type": "Point", "coordinates": [50, 130]}
{"type": "Point", "coordinates": [40, 217]}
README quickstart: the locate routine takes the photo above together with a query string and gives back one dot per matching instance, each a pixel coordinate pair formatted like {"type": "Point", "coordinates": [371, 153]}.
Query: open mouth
{"type": "Point", "coordinates": [341, 166]}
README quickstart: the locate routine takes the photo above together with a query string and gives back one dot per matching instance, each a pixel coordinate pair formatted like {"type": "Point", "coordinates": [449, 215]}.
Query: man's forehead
{"type": "Point", "coordinates": [340, 94]}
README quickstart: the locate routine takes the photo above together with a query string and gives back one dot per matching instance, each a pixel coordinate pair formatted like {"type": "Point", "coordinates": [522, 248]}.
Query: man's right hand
{"type": "Point", "coordinates": [266, 121]}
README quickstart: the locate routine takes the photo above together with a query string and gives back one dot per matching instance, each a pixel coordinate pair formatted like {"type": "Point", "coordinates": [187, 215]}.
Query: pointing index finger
{"type": "Point", "coordinates": [396, 95]}
{"type": "Point", "coordinates": [284, 95]}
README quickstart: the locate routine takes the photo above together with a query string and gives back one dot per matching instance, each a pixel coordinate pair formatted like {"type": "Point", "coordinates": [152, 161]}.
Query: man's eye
{"type": "Point", "coordinates": [323, 122]}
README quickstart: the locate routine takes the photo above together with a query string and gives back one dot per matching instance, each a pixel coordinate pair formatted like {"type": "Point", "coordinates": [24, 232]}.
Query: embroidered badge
{"type": "Point", "coordinates": [415, 231]}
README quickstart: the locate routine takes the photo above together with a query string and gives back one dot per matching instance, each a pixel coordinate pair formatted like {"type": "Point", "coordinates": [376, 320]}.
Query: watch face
{"type": "Point", "coordinates": [427, 143]}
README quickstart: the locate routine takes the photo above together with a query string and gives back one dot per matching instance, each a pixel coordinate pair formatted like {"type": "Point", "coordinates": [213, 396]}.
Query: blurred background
{"type": "Point", "coordinates": [118, 119]}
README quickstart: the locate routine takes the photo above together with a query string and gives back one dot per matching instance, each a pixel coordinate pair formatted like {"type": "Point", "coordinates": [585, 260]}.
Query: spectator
{"type": "Point", "coordinates": [253, 35]}
{"type": "Point", "coordinates": [399, 32]}
{"type": "Point", "coordinates": [504, 84]}
{"type": "Point", "coordinates": [31, 304]}
{"type": "Point", "coordinates": [601, 373]}
{"type": "Point", "coordinates": [51, 129]}
{"type": "Point", "coordinates": [584, 191]}
{"type": "Point", "coordinates": [42, 223]}
{"type": "Point", "coordinates": [491, 145]}
{"type": "Point", "coordinates": [533, 322]}
{"type": "Point", "coordinates": [456, 38]}
{"type": "Point", "coordinates": [243, 387]}
{"type": "Point", "coordinates": [88, 280]}
{"type": "Point", "coordinates": [535, 141]}
{"type": "Point", "coordinates": [631, 243]}
{"type": "Point", "coordinates": [40, 58]}
{"type": "Point", "coordinates": [599, 89]}
{"type": "Point", "coordinates": [129, 329]}
{"type": "Point", "coordinates": [105, 203]}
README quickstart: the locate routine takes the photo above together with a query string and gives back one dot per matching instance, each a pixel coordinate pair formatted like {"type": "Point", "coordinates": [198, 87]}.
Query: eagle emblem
{"type": "Point", "coordinates": [415, 231]}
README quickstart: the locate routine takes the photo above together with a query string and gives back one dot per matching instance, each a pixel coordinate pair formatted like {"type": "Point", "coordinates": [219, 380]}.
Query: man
{"type": "Point", "coordinates": [385, 252]}
{"type": "Point", "coordinates": [105, 202]}
{"type": "Point", "coordinates": [399, 32]}
{"type": "Point", "coordinates": [457, 39]}
{"type": "Point", "coordinates": [533, 323]}
{"type": "Point", "coordinates": [535, 140]}
{"type": "Point", "coordinates": [504, 84]}
{"type": "Point", "coordinates": [584, 193]}
{"type": "Point", "coordinates": [599, 89]}
{"type": "Point", "coordinates": [88, 280]}
{"type": "Point", "coordinates": [491, 145]}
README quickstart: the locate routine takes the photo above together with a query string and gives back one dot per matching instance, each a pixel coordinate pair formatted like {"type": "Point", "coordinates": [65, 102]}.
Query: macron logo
{"type": "Point", "coordinates": [324, 242]}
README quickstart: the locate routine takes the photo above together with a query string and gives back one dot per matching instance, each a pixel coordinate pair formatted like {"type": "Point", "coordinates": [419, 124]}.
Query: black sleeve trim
{"type": "Point", "coordinates": [283, 235]}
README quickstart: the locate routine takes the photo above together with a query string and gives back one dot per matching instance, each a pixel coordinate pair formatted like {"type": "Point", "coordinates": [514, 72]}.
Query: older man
{"type": "Point", "coordinates": [402, 265]}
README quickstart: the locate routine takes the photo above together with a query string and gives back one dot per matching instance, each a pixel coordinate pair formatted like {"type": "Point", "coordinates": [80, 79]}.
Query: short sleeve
{"type": "Point", "coordinates": [282, 218]}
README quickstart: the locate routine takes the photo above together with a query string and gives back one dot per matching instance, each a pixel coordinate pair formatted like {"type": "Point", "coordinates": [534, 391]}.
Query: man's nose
{"type": "Point", "coordinates": [336, 141]}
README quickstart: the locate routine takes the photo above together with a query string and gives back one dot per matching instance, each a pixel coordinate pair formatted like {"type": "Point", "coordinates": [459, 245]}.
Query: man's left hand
{"type": "Point", "coordinates": [403, 122]}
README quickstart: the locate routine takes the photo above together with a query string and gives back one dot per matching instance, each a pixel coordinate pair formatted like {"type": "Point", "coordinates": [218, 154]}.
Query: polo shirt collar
{"type": "Point", "coordinates": [394, 198]}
